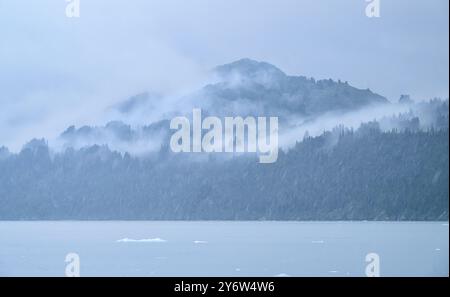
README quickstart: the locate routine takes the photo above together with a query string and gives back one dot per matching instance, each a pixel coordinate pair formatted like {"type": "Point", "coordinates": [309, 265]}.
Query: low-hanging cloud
{"type": "Point", "coordinates": [57, 71]}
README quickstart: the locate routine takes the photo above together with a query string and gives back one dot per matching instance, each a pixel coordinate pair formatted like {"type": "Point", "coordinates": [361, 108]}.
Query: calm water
{"type": "Point", "coordinates": [224, 248]}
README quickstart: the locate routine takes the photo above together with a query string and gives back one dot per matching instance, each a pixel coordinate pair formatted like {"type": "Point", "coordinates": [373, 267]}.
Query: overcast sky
{"type": "Point", "coordinates": [55, 70]}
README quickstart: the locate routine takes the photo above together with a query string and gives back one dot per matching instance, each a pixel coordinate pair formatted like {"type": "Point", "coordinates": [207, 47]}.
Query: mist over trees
{"type": "Point", "coordinates": [343, 174]}
{"type": "Point", "coordinates": [393, 168]}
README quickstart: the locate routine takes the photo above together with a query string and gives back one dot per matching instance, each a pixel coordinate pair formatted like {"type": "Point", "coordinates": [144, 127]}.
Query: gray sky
{"type": "Point", "coordinates": [55, 71]}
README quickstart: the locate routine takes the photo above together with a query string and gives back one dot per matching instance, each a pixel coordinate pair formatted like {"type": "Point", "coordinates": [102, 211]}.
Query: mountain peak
{"type": "Point", "coordinates": [249, 68]}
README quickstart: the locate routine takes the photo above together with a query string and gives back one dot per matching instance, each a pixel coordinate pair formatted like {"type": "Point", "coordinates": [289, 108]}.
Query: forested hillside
{"type": "Point", "coordinates": [366, 174]}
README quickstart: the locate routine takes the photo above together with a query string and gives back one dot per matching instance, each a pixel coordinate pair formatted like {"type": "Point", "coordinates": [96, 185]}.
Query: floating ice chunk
{"type": "Point", "coordinates": [200, 241]}
{"type": "Point", "coordinates": [333, 271]}
{"type": "Point", "coordinates": [437, 249]}
{"type": "Point", "coordinates": [142, 240]}
{"type": "Point", "coordinates": [282, 275]}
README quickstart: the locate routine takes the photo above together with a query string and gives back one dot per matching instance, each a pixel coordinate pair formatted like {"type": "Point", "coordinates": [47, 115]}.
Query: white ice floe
{"type": "Point", "coordinates": [142, 240]}
{"type": "Point", "coordinates": [200, 241]}
{"type": "Point", "coordinates": [282, 275]}
{"type": "Point", "coordinates": [437, 249]}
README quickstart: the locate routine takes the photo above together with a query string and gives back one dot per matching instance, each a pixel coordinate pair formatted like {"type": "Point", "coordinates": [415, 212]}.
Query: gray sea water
{"type": "Point", "coordinates": [181, 248]}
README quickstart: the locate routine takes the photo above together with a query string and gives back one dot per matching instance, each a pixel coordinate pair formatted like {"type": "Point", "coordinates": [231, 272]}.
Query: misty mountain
{"type": "Point", "coordinates": [394, 167]}
{"type": "Point", "coordinates": [242, 88]}
{"type": "Point", "coordinates": [259, 88]}
{"type": "Point", "coordinates": [248, 87]}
